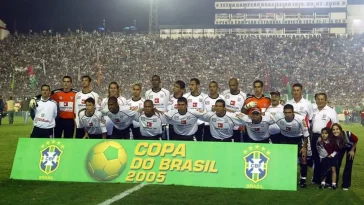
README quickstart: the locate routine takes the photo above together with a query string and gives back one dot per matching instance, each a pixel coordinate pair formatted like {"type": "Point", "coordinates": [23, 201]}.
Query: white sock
{"type": "Point", "coordinates": [323, 183]}
{"type": "Point", "coordinates": [333, 184]}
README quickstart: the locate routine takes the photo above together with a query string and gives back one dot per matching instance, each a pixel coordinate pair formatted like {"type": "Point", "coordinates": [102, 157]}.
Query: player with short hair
{"type": "Point", "coordinates": [44, 113]}
{"type": "Point", "coordinates": [209, 104]}
{"type": "Point", "coordinates": [178, 91]}
{"type": "Point", "coordinates": [257, 100]}
{"type": "Point", "coordinates": [184, 121]}
{"type": "Point", "coordinates": [222, 123]}
{"type": "Point", "coordinates": [235, 99]}
{"type": "Point", "coordinates": [195, 101]}
{"type": "Point", "coordinates": [273, 109]}
{"type": "Point", "coordinates": [150, 122]}
{"type": "Point", "coordinates": [257, 126]}
{"type": "Point", "coordinates": [80, 103]}
{"type": "Point", "coordinates": [121, 117]}
{"type": "Point", "coordinates": [159, 96]}
{"type": "Point", "coordinates": [323, 116]}
{"type": "Point", "coordinates": [92, 121]}
{"type": "Point", "coordinates": [136, 103]}
{"type": "Point", "coordinates": [293, 128]}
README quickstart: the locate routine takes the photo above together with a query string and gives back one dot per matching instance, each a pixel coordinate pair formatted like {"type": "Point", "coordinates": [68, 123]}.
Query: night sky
{"type": "Point", "coordinates": [63, 14]}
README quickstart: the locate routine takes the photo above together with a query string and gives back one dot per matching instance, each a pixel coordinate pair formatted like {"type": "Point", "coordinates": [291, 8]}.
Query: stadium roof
{"type": "Point", "coordinates": [186, 26]}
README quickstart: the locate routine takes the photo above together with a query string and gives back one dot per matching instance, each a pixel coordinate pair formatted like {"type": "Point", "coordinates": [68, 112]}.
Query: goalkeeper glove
{"type": "Point", "coordinates": [250, 105]}
{"type": "Point", "coordinates": [33, 103]}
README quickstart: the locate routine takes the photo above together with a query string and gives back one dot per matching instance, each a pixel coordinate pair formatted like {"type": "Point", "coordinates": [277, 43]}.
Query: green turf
{"type": "Point", "coordinates": [37, 192]}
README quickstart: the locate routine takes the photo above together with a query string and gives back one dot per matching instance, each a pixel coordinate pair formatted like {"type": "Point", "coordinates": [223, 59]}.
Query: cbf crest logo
{"type": "Point", "coordinates": [50, 156]}
{"type": "Point", "coordinates": [256, 163]}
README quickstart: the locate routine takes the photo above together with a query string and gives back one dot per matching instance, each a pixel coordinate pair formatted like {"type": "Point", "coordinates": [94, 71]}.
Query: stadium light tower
{"type": "Point", "coordinates": [153, 17]}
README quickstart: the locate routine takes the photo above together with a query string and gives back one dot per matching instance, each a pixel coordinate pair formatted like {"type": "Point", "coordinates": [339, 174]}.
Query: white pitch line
{"type": "Point", "coordinates": [123, 194]}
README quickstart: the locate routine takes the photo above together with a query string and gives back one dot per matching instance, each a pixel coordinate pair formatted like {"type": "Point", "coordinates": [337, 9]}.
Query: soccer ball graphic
{"type": "Point", "coordinates": [106, 160]}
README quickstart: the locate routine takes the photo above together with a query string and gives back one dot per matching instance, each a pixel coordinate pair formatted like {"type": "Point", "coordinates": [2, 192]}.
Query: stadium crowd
{"type": "Point", "coordinates": [333, 65]}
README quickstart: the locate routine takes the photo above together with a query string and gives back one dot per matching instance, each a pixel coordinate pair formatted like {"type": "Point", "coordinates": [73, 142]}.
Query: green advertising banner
{"type": "Point", "coordinates": [207, 164]}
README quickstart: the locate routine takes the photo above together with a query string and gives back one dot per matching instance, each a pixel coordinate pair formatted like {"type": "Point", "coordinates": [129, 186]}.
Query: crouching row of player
{"type": "Point", "coordinates": [332, 147]}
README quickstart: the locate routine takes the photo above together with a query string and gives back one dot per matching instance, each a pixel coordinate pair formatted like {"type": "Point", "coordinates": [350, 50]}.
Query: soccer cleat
{"type": "Point", "coordinates": [328, 186]}
{"type": "Point", "coordinates": [322, 186]}
{"type": "Point", "coordinates": [303, 183]}
{"type": "Point", "coordinates": [334, 187]}
{"type": "Point", "coordinates": [346, 189]}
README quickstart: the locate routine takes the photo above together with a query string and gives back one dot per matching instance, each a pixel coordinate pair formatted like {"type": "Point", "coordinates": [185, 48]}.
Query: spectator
{"type": "Point", "coordinates": [10, 109]}
{"type": "Point", "coordinates": [25, 109]}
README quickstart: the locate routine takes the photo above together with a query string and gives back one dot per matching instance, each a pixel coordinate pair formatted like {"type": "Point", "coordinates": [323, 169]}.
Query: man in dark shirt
{"type": "Point", "coordinates": [1, 108]}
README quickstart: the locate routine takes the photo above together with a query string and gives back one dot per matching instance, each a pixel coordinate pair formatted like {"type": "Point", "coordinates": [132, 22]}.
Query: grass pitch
{"type": "Point", "coordinates": [39, 192]}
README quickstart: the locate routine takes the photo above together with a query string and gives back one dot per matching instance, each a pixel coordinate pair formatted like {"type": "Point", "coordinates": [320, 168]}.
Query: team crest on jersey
{"type": "Point", "coordinates": [256, 163]}
{"type": "Point", "coordinates": [162, 95]}
{"type": "Point", "coordinates": [239, 99]}
{"type": "Point", "coordinates": [207, 102]}
{"type": "Point", "coordinates": [78, 97]}
{"type": "Point", "coordinates": [189, 100]}
{"type": "Point", "coordinates": [227, 97]}
{"type": "Point", "coordinates": [200, 100]}
{"type": "Point", "coordinates": [50, 156]}
{"type": "Point", "coordinates": [150, 97]}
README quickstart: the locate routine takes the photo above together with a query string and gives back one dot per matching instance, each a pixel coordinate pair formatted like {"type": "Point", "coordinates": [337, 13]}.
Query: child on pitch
{"type": "Point", "coordinates": [328, 150]}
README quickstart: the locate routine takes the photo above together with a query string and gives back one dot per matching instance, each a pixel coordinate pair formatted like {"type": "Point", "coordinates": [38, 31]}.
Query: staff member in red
{"type": "Point", "coordinates": [347, 143]}
{"type": "Point", "coordinates": [323, 116]}
{"type": "Point", "coordinates": [362, 117]}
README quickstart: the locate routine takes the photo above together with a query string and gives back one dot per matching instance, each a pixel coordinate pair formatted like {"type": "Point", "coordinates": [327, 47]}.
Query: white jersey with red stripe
{"type": "Point", "coordinates": [122, 119]}
{"type": "Point", "coordinates": [274, 129]}
{"type": "Point", "coordinates": [121, 102]}
{"type": "Point", "coordinates": [304, 108]}
{"type": "Point", "coordinates": [94, 124]}
{"type": "Point", "coordinates": [186, 124]}
{"type": "Point", "coordinates": [222, 127]}
{"type": "Point", "coordinates": [296, 128]}
{"type": "Point", "coordinates": [45, 113]}
{"type": "Point", "coordinates": [258, 131]}
{"type": "Point", "coordinates": [80, 103]}
{"type": "Point", "coordinates": [234, 102]}
{"type": "Point", "coordinates": [160, 99]}
{"type": "Point", "coordinates": [135, 105]}
{"type": "Point", "coordinates": [323, 118]}
{"type": "Point", "coordinates": [195, 102]}
{"type": "Point", "coordinates": [209, 104]}
{"type": "Point", "coordinates": [151, 126]}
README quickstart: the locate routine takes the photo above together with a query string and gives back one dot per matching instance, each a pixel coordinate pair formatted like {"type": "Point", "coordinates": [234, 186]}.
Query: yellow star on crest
{"type": "Point", "coordinates": [42, 146]}
{"type": "Point", "coordinates": [263, 148]}
{"type": "Point", "coordinates": [47, 142]}
{"type": "Point", "coordinates": [245, 152]}
{"type": "Point", "coordinates": [58, 143]}
{"type": "Point", "coordinates": [250, 148]}
{"type": "Point", "coordinates": [268, 153]}
{"type": "Point", "coordinates": [256, 146]}
{"type": "Point", "coordinates": [62, 146]}
{"type": "Point", "coordinates": [53, 141]}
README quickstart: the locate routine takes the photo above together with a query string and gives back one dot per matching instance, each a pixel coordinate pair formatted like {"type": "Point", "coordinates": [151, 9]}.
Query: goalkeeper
{"type": "Point", "coordinates": [327, 149]}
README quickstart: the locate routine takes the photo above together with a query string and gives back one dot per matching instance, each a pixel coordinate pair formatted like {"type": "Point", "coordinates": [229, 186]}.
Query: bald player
{"type": "Point", "coordinates": [234, 99]}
